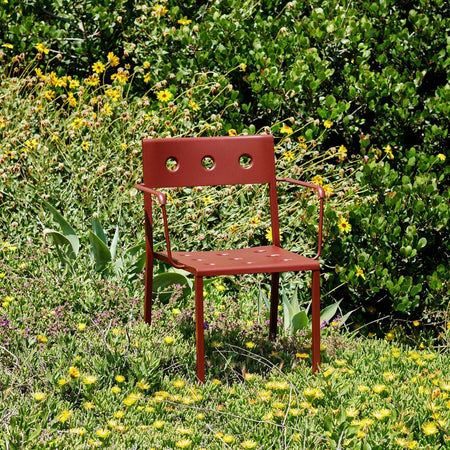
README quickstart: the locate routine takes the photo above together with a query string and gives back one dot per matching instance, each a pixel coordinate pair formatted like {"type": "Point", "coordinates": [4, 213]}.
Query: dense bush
{"type": "Point", "coordinates": [375, 74]}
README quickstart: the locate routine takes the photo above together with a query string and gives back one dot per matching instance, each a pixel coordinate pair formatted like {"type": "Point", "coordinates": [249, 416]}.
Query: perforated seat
{"type": "Point", "coordinates": [172, 163]}
{"type": "Point", "coordinates": [266, 259]}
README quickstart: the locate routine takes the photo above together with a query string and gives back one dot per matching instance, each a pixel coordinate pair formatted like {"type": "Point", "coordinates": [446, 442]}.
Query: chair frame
{"type": "Point", "coordinates": [189, 171]}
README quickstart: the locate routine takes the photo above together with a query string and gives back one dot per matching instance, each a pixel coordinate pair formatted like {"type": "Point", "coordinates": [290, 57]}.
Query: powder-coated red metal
{"type": "Point", "coordinates": [213, 161]}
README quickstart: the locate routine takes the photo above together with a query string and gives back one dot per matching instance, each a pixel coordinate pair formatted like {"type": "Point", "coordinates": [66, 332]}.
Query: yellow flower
{"type": "Point", "coordinates": [232, 132]}
{"type": "Point", "coordinates": [159, 10]}
{"type": "Point", "coordinates": [81, 326]}
{"type": "Point", "coordinates": [344, 225]}
{"type": "Point", "coordinates": [102, 433]}
{"type": "Point", "coordinates": [360, 272]}
{"type": "Point", "coordinates": [328, 190]}
{"type": "Point", "coordinates": [364, 423]}
{"type": "Point", "coordinates": [39, 396]}
{"type": "Point", "coordinates": [114, 94]}
{"type": "Point", "coordinates": [379, 388]}
{"type": "Point", "coordinates": [119, 414]}
{"type": "Point", "coordinates": [342, 153]}
{"type": "Point", "coordinates": [158, 424]}
{"type": "Point", "coordinates": [184, 21]}
{"type": "Point", "coordinates": [269, 235]}
{"type": "Point", "coordinates": [41, 338]}
{"type": "Point", "coordinates": [380, 414]}
{"type": "Point", "coordinates": [317, 179]}
{"type": "Point", "coordinates": [41, 48]}
{"type": "Point", "coordinates": [62, 381]}
{"type": "Point", "coordinates": [405, 443]}
{"type": "Point", "coordinates": [178, 384]}
{"type": "Point", "coordinates": [313, 392]}
{"type": "Point", "coordinates": [302, 355]}
{"type": "Point", "coordinates": [228, 439]}
{"type": "Point", "coordinates": [441, 157]}
{"type": "Point", "coordinates": [218, 286]}
{"type": "Point", "coordinates": [277, 385]}
{"type": "Point", "coordinates": [264, 395]}
{"type": "Point", "coordinates": [216, 382]}
{"type": "Point", "coordinates": [327, 123]}
{"type": "Point", "coordinates": [147, 78]}
{"type": "Point", "coordinates": [113, 59]}
{"type": "Point", "coordinates": [184, 443]}
{"type": "Point", "coordinates": [288, 156]}
{"type": "Point", "coordinates": [352, 412]}
{"type": "Point", "coordinates": [74, 372]}
{"type": "Point", "coordinates": [243, 67]}
{"type": "Point", "coordinates": [249, 444]}
{"type": "Point", "coordinates": [131, 399]}
{"type": "Point", "coordinates": [121, 77]}
{"type": "Point", "coordinates": [164, 96]}
{"type": "Point", "coordinates": [250, 345]}
{"type": "Point", "coordinates": [169, 340]}
{"type": "Point", "coordinates": [389, 376]}
{"type": "Point", "coordinates": [429, 428]}
{"type": "Point", "coordinates": [120, 378]}
{"type": "Point", "coordinates": [255, 220]}
{"type": "Point", "coordinates": [89, 379]}
{"type": "Point", "coordinates": [98, 67]}
{"type": "Point", "coordinates": [143, 385]}
{"type": "Point", "coordinates": [71, 100]}
{"type": "Point", "coordinates": [65, 415]}
{"type": "Point", "coordinates": [89, 405]}
{"type": "Point", "coordinates": [116, 389]}
{"type": "Point", "coordinates": [79, 430]}
{"type": "Point", "coordinates": [49, 95]}
{"type": "Point", "coordinates": [286, 130]}
{"type": "Point", "coordinates": [389, 336]}
{"type": "Point", "coordinates": [194, 106]}
{"type": "Point", "coordinates": [8, 45]}
{"type": "Point", "coordinates": [388, 151]}
{"type": "Point", "coordinates": [92, 80]}
{"type": "Point", "coordinates": [73, 84]}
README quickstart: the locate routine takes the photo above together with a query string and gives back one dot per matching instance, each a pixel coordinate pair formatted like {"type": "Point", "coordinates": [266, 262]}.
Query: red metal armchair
{"type": "Point", "coordinates": [226, 167]}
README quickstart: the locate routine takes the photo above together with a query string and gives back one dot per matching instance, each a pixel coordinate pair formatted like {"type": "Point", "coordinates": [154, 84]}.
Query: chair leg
{"type": "Point", "coordinates": [274, 306]}
{"type": "Point", "coordinates": [199, 329]}
{"type": "Point", "coordinates": [315, 308]}
{"type": "Point", "coordinates": [148, 288]}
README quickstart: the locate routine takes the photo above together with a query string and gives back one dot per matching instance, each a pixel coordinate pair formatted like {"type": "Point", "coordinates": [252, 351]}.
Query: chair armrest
{"type": "Point", "coordinates": [160, 195]}
{"type": "Point", "coordinates": [321, 194]}
{"type": "Point", "coordinates": [320, 190]}
{"type": "Point", "coordinates": [162, 201]}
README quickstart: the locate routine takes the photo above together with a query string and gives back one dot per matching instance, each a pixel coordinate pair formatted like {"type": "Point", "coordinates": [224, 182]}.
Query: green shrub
{"type": "Point", "coordinates": [346, 81]}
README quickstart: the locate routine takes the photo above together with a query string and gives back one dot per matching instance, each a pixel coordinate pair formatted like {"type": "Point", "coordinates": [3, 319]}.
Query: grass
{"type": "Point", "coordinates": [80, 369]}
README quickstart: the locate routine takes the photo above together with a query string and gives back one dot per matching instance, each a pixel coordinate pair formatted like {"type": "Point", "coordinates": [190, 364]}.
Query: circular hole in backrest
{"type": "Point", "coordinates": [245, 161]}
{"type": "Point", "coordinates": [171, 164]}
{"type": "Point", "coordinates": [208, 162]}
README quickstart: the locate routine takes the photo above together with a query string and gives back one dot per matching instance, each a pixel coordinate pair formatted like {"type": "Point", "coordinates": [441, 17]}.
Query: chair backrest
{"type": "Point", "coordinates": [208, 161]}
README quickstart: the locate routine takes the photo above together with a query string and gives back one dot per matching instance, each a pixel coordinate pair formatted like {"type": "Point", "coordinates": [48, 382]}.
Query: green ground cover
{"type": "Point", "coordinates": [80, 369]}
